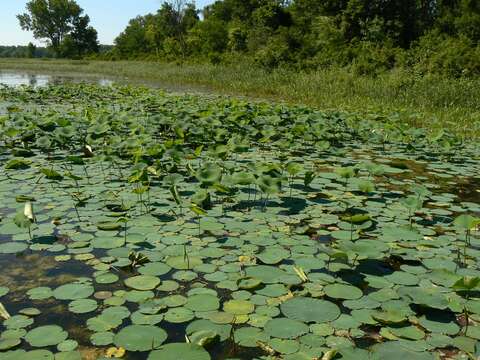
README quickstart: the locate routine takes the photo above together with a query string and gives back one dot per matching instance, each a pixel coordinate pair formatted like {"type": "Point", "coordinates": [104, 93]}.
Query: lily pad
{"type": "Point", "coordinates": [284, 328]}
{"type": "Point", "coordinates": [142, 282]}
{"type": "Point", "coordinates": [82, 306]}
{"type": "Point", "coordinates": [9, 343]}
{"type": "Point", "coordinates": [238, 307]}
{"type": "Point", "coordinates": [172, 352]}
{"type": "Point", "coordinates": [73, 291]}
{"type": "Point", "coordinates": [342, 291]}
{"type": "Point", "coordinates": [202, 302]}
{"type": "Point", "coordinates": [140, 337]}
{"type": "Point", "coordinates": [310, 310]}
{"type": "Point", "coordinates": [48, 335]}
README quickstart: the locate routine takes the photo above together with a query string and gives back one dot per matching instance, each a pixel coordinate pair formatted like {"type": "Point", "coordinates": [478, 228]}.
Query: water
{"type": "Point", "coordinates": [19, 78]}
{"type": "Point", "coordinates": [31, 78]}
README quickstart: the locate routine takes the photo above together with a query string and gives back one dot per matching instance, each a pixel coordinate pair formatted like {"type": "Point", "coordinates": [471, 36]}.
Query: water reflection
{"type": "Point", "coordinates": [15, 78]}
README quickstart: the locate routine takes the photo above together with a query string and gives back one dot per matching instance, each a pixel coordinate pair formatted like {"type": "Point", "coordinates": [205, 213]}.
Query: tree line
{"type": "Point", "coordinates": [368, 36]}
{"type": "Point", "coordinates": [29, 51]}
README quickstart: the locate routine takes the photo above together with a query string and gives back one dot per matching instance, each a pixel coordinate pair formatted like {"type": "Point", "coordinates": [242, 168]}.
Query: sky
{"type": "Point", "coordinates": [109, 17]}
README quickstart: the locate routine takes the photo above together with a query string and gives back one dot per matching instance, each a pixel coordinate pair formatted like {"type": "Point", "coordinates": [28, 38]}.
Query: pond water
{"type": "Point", "coordinates": [19, 78]}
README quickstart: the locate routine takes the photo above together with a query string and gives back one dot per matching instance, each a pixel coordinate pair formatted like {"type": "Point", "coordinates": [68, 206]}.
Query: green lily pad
{"type": "Point", "coordinates": [12, 247]}
{"type": "Point", "coordinates": [18, 322]}
{"type": "Point", "coordinates": [397, 351]}
{"type": "Point", "coordinates": [48, 335]}
{"type": "Point", "coordinates": [285, 328]}
{"type": "Point", "coordinates": [140, 337]}
{"type": "Point", "coordinates": [40, 293]}
{"type": "Point", "coordinates": [183, 263]}
{"type": "Point", "coordinates": [4, 290]}
{"type": "Point", "coordinates": [102, 338]}
{"type": "Point", "coordinates": [172, 352]}
{"type": "Point", "coordinates": [39, 354]}
{"type": "Point", "coordinates": [30, 312]}
{"type": "Point", "coordinates": [142, 282]}
{"type": "Point", "coordinates": [441, 325]}
{"type": "Point", "coordinates": [179, 315]}
{"type": "Point", "coordinates": [73, 291]}
{"type": "Point", "coordinates": [9, 343]}
{"type": "Point", "coordinates": [284, 346]}
{"type": "Point", "coordinates": [238, 307]}
{"type": "Point", "coordinates": [202, 302]}
{"type": "Point", "coordinates": [67, 345]}
{"type": "Point", "coordinates": [310, 310]}
{"type": "Point", "coordinates": [82, 306]}
{"type": "Point", "coordinates": [342, 291]}
{"type": "Point", "coordinates": [154, 269]}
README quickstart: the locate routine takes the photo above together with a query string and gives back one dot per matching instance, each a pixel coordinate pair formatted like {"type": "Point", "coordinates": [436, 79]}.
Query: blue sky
{"type": "Point", "coordinates": [109, 17]}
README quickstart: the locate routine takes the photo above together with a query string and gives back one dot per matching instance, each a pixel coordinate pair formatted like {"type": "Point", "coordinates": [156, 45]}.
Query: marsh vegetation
{"type": "Point", "coordinates": [141, 224]}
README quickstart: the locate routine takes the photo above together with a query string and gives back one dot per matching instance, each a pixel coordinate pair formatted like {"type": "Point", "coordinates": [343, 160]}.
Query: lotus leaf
{"type": "Point", "coordinates": [310, 310]}
{"type": "Point", "coordinates": [285, 328]}
{"type": "Point", "coordinates": [140, 337]}
{"type": "Point", "coordinates": [142, 282]}
{"type": "Point", "coordinates": [172, 351]}
{"type": "Point", "coordinates": [47, 335]}
{"type": "Point", "coordinates": [74, 291]}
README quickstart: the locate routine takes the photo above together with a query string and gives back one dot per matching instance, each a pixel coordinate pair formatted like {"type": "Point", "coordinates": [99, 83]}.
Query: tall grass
{"type": "Point", "coordinates": [429, 101]}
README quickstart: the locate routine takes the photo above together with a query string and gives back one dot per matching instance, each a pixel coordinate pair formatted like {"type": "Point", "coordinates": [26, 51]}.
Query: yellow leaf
{"type": "Point", "coordinates": [280, 299]}
{"type": "Point", "coordinates": [114, 352]}
{"type": "Point", "coordinates": [265, 347]}
{"type": "Point", "coordinates": [3, 312]}
{"type": "Point", "coordinates": [300, 273]}
{"type": "Point", "coordinates": [246, 259]}
{"type": "Point", "coordinates": [329, 355]}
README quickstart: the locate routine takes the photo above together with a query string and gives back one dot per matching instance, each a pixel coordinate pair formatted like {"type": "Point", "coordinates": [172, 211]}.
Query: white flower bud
{"type": "Point", "coordinates": [28, 211]}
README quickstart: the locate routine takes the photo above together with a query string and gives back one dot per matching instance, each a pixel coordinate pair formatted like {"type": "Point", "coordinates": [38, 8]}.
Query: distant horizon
{"type": "Point", "coordinates": [108, 25]}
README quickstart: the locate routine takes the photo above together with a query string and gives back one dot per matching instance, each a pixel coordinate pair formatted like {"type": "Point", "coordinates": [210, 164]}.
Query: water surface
{"type": "Point", "coordinates": [40, 79]}
{"type": "Point", "coordinates": [19, 78]}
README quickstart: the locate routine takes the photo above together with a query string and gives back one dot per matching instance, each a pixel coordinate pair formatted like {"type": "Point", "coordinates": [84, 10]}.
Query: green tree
{"type": "Point", "coordinates": [366, 36]}
{"type": "Point", "coordinates": [82, 40]}
{"type": "Point", "coordinates": [58, 20]}
{"type": "Point", "coordinates": [208, 37]}
{"type": "Point", "coordinates": [133, 40]}
{"type": "Point", "coordinates": [163, 33]}
{"type": "Point", "coordinates": [31, 49]}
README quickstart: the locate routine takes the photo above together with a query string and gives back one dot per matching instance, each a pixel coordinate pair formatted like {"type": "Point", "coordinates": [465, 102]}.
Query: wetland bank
{"type": "Point", "coordinates": [220, 228]}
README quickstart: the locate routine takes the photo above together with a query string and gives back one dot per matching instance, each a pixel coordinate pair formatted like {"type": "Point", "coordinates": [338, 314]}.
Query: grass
{"type": "Point", "coordinates": [426, 101]}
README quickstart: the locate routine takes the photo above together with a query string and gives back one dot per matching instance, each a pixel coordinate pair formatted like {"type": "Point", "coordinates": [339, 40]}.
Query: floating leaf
{"type": "Point", "coordinates": [142, 282]}
{"type": "Point", "coordinates": [140, 337]}
{"type": "Point", "coordinates": [47, 335]}
{"type": "Point", "coordinates": [310, 310]}
{"type": "Point", "coordinates": [172, 352]}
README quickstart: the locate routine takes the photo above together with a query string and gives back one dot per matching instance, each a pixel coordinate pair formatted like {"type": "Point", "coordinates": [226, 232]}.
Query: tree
{"type": "Point", "coordinates": [163, 33]}
{"type": "Point", "coordinates": [81, 40]}
{"type": "Point", "coordinates": [31, 49]}
{"type": "Point", "coordinates": [208, 37]}
{"type": "Point", "coordinates": [133, 40]}
{"type": "Point", "coordinates": [365, 36]}
{"type": "Point", "coordinates": [58, 20]}
{"type": "Point", "coordinates": [182, 17]}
